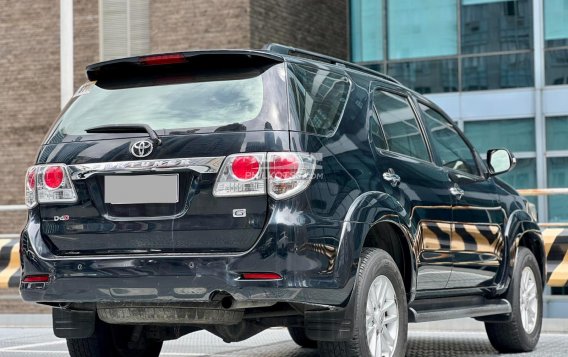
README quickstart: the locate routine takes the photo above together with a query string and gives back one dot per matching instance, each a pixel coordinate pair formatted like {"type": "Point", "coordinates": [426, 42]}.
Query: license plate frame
{"type": "Point", "coordinates": [141, 189]}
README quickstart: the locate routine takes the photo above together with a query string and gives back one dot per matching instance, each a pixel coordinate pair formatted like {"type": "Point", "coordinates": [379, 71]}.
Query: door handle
{"type": "Point", "coordinates": [457, 191]}
{"type": "Point", "coordinates": [391, 177]}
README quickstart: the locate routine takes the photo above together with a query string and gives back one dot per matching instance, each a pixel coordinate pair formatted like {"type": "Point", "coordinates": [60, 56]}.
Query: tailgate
{"type": "Point", "coordinates": [185, 217]}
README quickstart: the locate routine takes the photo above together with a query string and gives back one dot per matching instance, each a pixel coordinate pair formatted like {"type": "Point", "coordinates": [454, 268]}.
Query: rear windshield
{"type": "Point", "coordinates": [193, 101]}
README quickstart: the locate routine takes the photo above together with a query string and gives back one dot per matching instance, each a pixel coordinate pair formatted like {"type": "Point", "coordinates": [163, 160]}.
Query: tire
{"type": "Point", "coordinates": [378, 268]}
{"type": "Point", "coordinates": [513, 336]}
{"type": "Point", "coordinates": [298, 334]}
{"type": "Point", "coordinates": [110, 341]}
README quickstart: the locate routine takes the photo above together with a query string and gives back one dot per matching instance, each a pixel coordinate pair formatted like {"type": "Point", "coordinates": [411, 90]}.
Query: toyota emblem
{"type": "Point", "coordinates": [142, 148]}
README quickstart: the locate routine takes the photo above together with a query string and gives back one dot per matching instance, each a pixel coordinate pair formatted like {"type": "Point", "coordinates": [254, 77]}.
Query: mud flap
{"type": "Point", "coordinates": [329, 325]}
{"type": "Point", "coordinates": [73, 323]}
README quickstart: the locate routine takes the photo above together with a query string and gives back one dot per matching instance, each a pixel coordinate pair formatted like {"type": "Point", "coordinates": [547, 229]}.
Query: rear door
{"type": "Point", "coordinates": [477, 243]}
{"type": "Point", "coordinates": [139, 196]}
{"type": "Point", "coordinates": [421, 187]}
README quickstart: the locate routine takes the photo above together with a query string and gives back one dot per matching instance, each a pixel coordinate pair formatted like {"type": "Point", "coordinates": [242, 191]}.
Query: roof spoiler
{"type": "Point", "coordinates": [130, 64]}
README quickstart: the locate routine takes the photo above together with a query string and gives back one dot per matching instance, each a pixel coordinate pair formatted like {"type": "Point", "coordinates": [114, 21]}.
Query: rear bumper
{"type": "Point", "coordinates": [174, 288]}
{"type": "Point", "coordinates": [312, 272]}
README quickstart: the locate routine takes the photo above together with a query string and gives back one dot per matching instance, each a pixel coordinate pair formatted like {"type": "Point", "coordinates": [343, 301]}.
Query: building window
{"type": "Point", "coordinates": [424, 28]}
{"type": "Point", "coordinates": [427, 76]}
{"type": "Point", "coordinates": [555, 17]}
{"type": "Point", "coordinates": [366, 30]}
{"type": "Point", "coordinates": [556, 133]}
{"type": "Point", "coordinates": [522, 176]}
{"type": "Point", "coordinates": [556, 67]}
{"type": "Point", "coordinates": [495, 25]}
{"type": "Point", "coordinates": [557, 171]}
{"type": "Point", "coordinates": [422, 43]}
{"type": "Point", "coordinates": [497, 72]}
{"type": "Point", "coordinates": [557, 166]}
{"type": "Point", "coordinates": [556, 42]}
{"type": "Point", "coordinates": [124, 28]}
{"type": "Point", "coordinates": [519, 139]}
{"type": "Point", "coordinates": [489, 134]}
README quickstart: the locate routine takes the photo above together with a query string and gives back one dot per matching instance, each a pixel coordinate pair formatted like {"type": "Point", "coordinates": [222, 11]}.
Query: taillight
{"type": "Point", "coordinates": [245, 167]}
{"type": "Point", "coordinates": [53, 177]}
{"type": "Point", "coordinates": [289, 173]}
{"type": "Point", "coordinates": [283, 166]}
{"type": "Point", "coordinates": [171, 58]}
{"type": "Point", "coordinates": [280, 174]}
{"type": "Point", "coordinates": [49, 184]}
{"type": "Point", "coordinates": [241, 175]}
{"type": "Point", "coordinates": [30, 188]}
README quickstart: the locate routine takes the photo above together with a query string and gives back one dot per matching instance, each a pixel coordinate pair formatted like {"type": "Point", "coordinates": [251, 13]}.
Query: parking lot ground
{"type": "Point", "coordinates": [425, 340]}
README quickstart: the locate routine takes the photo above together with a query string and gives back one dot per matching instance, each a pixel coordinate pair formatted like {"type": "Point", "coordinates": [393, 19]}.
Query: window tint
{"type": "Point", "coordinates": [401, 129]}
{"type": "Point", "coordinates": [448, 144]}
{"type": "Point", "coordinates": [319, 97]}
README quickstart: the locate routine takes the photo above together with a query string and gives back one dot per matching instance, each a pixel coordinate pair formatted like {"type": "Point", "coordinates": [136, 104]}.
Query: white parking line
{"type": "Point", "coordinates": [15, 348]}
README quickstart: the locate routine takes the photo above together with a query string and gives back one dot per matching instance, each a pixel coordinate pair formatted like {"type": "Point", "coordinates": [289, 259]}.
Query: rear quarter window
{"type": "Point", "coordinates": [318, 97]}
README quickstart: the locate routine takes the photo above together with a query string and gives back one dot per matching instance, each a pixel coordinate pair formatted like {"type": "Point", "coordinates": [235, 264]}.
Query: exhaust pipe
{"type": "Point", "coordinates": [228, 302]}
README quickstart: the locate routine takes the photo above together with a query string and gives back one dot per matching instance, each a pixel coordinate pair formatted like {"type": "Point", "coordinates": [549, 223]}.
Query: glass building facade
{"type": "Point", "coordinates": [461, 50]}
{"type": "Point", "coordinates": [498, 67]}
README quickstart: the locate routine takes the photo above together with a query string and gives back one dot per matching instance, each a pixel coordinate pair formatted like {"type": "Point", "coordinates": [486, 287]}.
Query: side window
{"type": "Point", "coordinates": [401, 129]}
{"type": "Point", "coordinates": [452, 150]}
{"type": "Point", "coordinates": [319, 97]}
{"type": "Point", "coordinates": [377, 134]}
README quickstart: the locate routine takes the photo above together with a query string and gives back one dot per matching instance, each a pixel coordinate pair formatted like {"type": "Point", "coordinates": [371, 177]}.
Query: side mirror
{"type": "Point", "coordinates": [500, 161]}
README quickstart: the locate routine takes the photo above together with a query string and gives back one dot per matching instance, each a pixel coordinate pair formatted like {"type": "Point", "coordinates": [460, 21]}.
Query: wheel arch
{"type": "Point", "coordinates": [371, 217]}
{"type": "Point", "coordinates": [532, 240]}
{"type": "Point", "coordinates": [394, 239]}
{"type": "Point", "coordinates": [522, 231]}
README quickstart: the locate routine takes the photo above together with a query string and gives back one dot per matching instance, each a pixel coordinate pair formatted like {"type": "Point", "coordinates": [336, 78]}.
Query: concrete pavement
{"type": "Point", "coordinates": [31, 335]}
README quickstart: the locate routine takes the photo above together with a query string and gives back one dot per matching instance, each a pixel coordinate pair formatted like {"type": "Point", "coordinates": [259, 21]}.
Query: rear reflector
{"type": "Point", "coordinates": [260, 276]}
{"type": "Point", "coordinates": [43, 278]}
{"type": "Point", "coordinates": [162, 59]}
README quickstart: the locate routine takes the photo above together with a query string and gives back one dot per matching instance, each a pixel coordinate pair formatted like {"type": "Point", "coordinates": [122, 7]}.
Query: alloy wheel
{"type": "Point", "coordinates": [382, 318]}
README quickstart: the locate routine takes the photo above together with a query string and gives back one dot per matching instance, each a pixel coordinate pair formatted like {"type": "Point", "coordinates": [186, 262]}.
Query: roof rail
{"type": "Point", "coordinates": [291, 51]}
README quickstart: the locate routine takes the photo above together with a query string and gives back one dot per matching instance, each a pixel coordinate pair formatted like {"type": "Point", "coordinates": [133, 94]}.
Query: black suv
{"type": "Point", "coordinates": [237, 190]}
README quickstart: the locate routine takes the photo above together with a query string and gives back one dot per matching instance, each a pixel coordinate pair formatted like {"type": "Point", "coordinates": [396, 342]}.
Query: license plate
{"type": "Point", "coordinates": [124, 190]}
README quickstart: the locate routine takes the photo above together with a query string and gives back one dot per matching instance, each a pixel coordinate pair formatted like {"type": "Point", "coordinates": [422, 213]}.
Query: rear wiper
{"type": "Point", "coordinates": [127, 128]}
